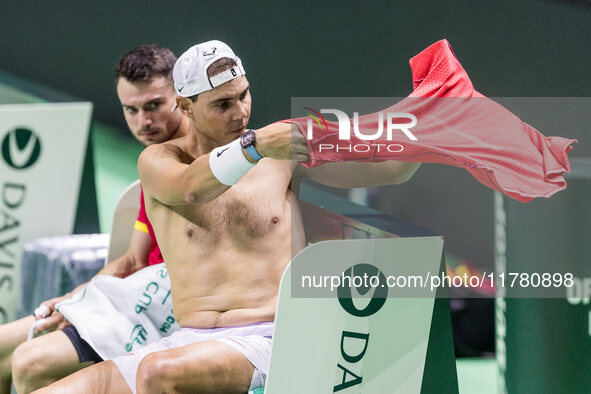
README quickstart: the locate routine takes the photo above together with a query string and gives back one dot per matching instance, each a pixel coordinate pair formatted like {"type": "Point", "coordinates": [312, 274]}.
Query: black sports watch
{"type": "Point", "coordinates": [247, 141]}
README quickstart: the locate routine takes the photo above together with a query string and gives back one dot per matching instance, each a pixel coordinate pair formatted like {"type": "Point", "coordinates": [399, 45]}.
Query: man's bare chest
{"type": "Point", "coordinates": [246, 211]}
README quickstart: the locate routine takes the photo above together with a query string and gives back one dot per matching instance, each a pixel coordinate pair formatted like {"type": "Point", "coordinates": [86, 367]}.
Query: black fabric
{"type": "Point", "coordinates": [84, 350]}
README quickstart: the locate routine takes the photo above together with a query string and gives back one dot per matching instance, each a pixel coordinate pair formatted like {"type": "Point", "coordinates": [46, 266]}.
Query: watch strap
{"type": "Point", "coordinates": [252, 152]}
{"type": "Point", "coordinates": [248, 140]}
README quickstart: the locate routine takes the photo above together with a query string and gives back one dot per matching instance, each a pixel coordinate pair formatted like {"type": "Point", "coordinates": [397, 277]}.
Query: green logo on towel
{"type": "Point", "coordinates": [167, 324]}
{"type": "Point", "coordinates": [21, 148]}
{"type": "Point", "coordinates": [138, 336]}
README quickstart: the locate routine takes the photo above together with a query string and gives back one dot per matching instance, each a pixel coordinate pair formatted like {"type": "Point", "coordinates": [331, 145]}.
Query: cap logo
{"type": "Point", "coordinates": [190, 70]}
{"type": "Point", "coordinates": [210, 53]}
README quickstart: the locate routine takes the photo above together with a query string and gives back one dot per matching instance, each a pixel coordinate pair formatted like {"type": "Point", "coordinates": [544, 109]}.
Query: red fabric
{"type": "Point", "coordinates": [458, 126]}
{"type": "Point", "coordinates": [155, 256]}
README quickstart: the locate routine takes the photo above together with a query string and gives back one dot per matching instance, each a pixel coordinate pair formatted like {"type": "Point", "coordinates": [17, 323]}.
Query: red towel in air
{"type": "Point", "coordinates": [456, 126]}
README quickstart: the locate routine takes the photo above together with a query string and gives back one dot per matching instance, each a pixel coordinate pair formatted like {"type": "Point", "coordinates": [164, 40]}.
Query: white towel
{"type": "Point", "coordinates": [118, 316]}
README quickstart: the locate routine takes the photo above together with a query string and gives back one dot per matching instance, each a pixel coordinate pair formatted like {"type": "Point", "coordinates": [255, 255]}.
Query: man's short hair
{"type": "Point", "coordinates": [146, 62]}
{"type": "Point", "coordinates": [215, 68]}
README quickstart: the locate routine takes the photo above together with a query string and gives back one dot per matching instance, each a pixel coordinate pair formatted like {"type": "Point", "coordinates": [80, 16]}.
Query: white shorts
{"type": "Point", "coordinates": [253, 341]}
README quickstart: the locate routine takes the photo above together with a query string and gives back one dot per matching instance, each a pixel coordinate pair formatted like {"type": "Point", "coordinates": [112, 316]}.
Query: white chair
{"type": "Point", "coordinates": [124, 217]}
{"type": "Point", "coordinates": [320, 345]}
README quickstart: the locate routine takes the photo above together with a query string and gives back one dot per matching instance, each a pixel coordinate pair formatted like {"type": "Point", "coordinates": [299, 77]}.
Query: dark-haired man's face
{"type": "Point", "coordinates": [146, 107]}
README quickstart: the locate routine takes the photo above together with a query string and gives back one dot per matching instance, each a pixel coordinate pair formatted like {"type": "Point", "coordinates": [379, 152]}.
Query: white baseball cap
{"type": "Point", "coordinates": [190, 70]}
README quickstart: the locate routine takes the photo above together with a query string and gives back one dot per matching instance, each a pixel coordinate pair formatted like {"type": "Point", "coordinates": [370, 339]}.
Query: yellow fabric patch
{"type": "Point", "coordinates": [143, 227]}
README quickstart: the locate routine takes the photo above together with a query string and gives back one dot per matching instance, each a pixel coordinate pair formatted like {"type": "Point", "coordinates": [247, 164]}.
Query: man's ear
{"type": "Point", "coordinates": [185, 105]}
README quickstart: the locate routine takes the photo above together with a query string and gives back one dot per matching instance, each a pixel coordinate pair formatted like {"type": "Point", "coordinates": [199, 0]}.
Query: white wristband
{"type": "Point", "coordinates": [228, 163]}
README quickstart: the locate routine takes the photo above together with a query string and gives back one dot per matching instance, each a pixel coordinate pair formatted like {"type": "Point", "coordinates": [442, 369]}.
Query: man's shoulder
{"type": "Point", "coordinates": [164, 149]}
{"type": "Point", "coordinates": [157, 158]}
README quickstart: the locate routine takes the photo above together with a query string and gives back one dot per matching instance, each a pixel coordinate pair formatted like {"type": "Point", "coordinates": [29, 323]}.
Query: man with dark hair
{"type": "Point", "coordinates": [145, 88]}
{"type": "Point", "coordinates": [147, 70]}
{"type": "Point", "coordinates": [227, 221]}
{"type": "Point", "coordinates": [144, 63]}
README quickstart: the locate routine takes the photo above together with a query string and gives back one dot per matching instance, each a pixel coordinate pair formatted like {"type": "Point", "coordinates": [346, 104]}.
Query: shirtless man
{"type": "Point", "coordinates": [145, 89]}
{"type": "Point", "coordinates": [227, 222]}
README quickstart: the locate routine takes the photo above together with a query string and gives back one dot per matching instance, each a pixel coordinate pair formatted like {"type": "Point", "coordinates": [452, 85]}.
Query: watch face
{"type": "Point", "coordinates": [247, 138]}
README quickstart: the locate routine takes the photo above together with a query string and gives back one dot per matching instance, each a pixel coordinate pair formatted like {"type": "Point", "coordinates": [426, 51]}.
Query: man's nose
{"type": "Point", "coordinates": [241, 111]}
{"type": "Point", "coordinates": [145, 119]}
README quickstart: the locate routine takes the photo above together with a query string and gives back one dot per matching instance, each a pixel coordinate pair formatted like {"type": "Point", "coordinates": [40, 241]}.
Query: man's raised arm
{"type": "Point", "coordinates": [357, 174]}
{"type": "Point", "coordinates": [174, 177]}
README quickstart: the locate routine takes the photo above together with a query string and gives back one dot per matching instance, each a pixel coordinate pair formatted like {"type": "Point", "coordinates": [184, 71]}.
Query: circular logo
{"type": "Point", "coordinates": [377, 282]}
{"type": "Point", "coordinates": [21, 148]}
